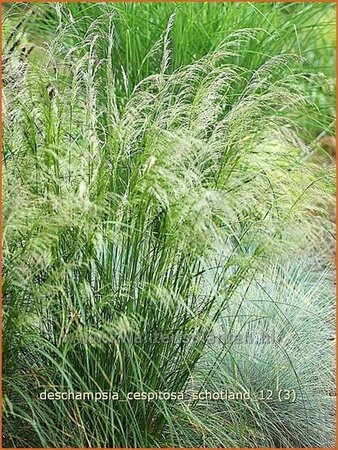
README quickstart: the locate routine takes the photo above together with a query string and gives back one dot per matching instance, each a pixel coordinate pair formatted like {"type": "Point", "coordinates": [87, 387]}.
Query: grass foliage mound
{"type": "Point", "coordinates": [157, 238]}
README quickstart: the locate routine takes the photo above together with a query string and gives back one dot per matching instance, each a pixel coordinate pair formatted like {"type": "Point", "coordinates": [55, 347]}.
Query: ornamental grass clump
{"type": "Point", "coordinates": [275, 341]}
{"type": "Point", "coordinates": [130, 231]}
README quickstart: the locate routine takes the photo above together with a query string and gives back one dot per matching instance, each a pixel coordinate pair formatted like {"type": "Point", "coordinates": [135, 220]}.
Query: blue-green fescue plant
{"type": "Point", "coordinates": [276, 343]}
{"type": "Point", "coordinates": [125, 223]}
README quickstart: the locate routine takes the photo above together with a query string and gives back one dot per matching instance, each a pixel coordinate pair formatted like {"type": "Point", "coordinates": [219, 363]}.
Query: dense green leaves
{"type": "Point", "coordinates": [144, 211]}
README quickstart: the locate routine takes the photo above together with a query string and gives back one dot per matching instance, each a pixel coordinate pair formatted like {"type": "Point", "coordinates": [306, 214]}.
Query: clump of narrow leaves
{"type": "Point", "coordinates": [128, 224]}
